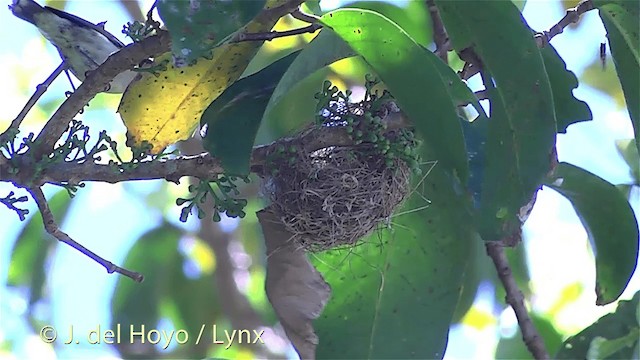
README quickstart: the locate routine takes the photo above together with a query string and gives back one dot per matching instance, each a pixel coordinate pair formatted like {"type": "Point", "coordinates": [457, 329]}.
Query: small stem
{"type": "Point", "coordinates": [300, 15]}
{"type": "Point", "coordinates": [515, 298]}
{"type": "Point", "coordinates": [268, 36]}
{"type": "Point", "coordinates": [54, 230]}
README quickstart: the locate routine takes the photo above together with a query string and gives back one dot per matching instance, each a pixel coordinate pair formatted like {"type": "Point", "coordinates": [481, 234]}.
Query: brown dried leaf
{"type": "Point", "coordinates": [296, 290]}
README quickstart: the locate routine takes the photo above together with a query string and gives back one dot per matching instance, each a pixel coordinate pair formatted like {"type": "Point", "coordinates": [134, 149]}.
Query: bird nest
{"type": "Point", "coordinates": [334, 196]}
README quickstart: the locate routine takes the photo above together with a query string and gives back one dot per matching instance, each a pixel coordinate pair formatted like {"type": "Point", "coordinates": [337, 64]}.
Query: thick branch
{"type": "Point", "coordinates": [52, 228]}
{"type": "Point", "coordinates": [202, 166]}
{"type": "Point", "coordinates": [515, 298]}
{"type": "Point", "coordinates": [125, 59]}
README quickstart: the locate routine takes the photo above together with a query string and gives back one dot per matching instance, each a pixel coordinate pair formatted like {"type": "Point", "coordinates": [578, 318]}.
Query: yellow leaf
{"type": "Point", "coordinates": [165, 107]}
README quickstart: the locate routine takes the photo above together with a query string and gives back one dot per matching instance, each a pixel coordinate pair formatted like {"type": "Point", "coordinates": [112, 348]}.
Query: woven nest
{"type": "Point", "coordinates": [334, 196]}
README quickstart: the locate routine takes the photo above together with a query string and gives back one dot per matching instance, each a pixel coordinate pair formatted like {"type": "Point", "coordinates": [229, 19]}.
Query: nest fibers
{"type": "Point", "coordinates": [334, 196]}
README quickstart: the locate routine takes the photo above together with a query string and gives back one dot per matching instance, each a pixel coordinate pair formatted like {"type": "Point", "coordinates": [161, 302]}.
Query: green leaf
{"type": "Point", "coordinates": [390, 52]}
{"type": "Point", "coordinates": [34, 245]}
{"type": "Point", "coordinates": [519, 4]}
{"type": "Point", "coordinates": [196, 27]}
{"type": "Point", "coordinates": [414, 271]}
{"type": "Point", "coordinates": [323, 50]}
{"type": "Point", "coordinates": [475, 138]}
{"type": "Point", "coordinates": [458, 89]}
{"type": "Point", "coordinates": [413, 16]}
{"type": "Point", "coordinates": [188, 300]}
{"type": "Point", "coordinates": [616, 326]}
{"type": "Point", "coordinates": [522, 130]}
{"type": "Point", "coordinates": [194, 302]}
{"type": "Point", "coordinates": [610, 224]}
{"type": "Point", "coordinates": [569, 110]}
{"type": "Point", "coordinates": [621, 19]}
{"type": "Point", "coordinates": [328, 48]}
{"type": "Point", "coordinates": [137, 304]}
{"type": "Point", "coordinates": [234, 117]}
{"type": "Point", "coordinates": [601, 348]}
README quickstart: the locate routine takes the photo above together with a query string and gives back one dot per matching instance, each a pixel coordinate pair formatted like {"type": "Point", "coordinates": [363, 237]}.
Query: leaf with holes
{"type": "Point", "coordinates": [165, 107]}
{"type": "Point", "coordinates": [196, 26]}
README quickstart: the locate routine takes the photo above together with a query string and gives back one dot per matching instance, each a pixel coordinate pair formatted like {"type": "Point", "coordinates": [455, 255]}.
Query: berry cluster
{"type": "Point", "coordinates": [366, 123]}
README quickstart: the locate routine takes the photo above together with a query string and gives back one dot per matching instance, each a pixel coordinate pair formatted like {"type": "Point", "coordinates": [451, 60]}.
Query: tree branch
{"type": "Point", "coordinates": [572, 16]}
{"type": "Point", "coordinates": [515, 298]}
{"type": "Point", "coordinates": [203, 166]}
{"type": "Point", "coordinates": [542, 38]}
{"type": "Point", "coordinates": [125, 59]}
{"type": "Point", "coordinates": [268, 36]}
{"type": "Point", "coordinates": [52, 228]}
{"type": "Point", "coordinates": [440, 37]}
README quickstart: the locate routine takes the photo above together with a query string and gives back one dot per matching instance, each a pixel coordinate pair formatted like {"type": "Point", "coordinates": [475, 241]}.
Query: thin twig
{"type": "Point", "coordinates": [440, 37]}
{"type": "Point", "coordinates": [515, 298]}
{"type": "Point", "coordinates": [571, 17]}
{"type": "Point", "coordinates": [40, 90]}
{"type": "Point", "coordinates": [9, 202]}
{"type": "Point", "coordinates": [154, 24]}
{"type": "Point", "coordinates": [52, 228]}
{"type": "Point", "coordinates": [542, 38]}
{"type": "Point", "coordinates": [268, 36]}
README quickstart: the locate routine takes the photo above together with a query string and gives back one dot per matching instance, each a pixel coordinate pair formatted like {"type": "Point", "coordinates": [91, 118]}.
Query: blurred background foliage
{"type": "Point", "coordinates": [213, 273]}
